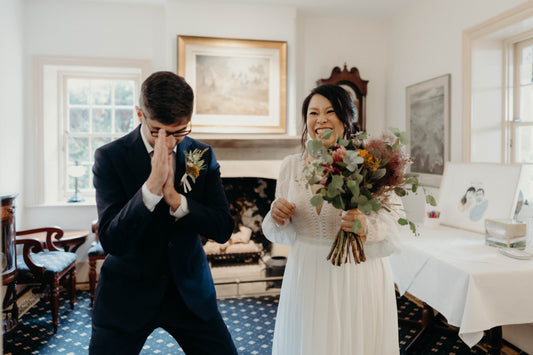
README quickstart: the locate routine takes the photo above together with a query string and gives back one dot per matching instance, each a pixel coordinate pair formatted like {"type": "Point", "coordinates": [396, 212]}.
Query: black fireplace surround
{"type": "Point", "coordinates": [249, 199]}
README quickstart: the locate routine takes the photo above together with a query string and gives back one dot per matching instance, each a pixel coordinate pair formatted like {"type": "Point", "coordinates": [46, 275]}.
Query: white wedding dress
{"type": "Point", "coordinates": [326, 309]}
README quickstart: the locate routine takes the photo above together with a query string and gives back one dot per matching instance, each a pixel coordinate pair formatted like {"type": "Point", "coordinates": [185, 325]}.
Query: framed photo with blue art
{"type": "Point", "coordinates": [239, 84]}
{"type": "Point", "coordinates": [428, 125]}
{"type": "Point", "coordinates": [473, 192]}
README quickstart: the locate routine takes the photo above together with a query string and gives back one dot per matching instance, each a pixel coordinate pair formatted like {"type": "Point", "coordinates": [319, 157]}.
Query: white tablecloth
{"type": "Point", "coordinates": [474, 286]}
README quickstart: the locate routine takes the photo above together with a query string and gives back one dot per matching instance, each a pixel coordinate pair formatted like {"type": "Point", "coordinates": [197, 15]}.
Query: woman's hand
{"type": "Point", "coordinates": [282, 210]}
{"type": "Point", "coordinates": [350, 217]}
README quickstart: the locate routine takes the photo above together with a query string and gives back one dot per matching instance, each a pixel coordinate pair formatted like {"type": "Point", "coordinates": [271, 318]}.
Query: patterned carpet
{"type": "Point", "coordinates": [250, 321]}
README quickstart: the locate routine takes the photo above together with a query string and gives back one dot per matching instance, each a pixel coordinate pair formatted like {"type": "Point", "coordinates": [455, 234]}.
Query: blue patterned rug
{"type": "Point", "coordinates": [250, 321]}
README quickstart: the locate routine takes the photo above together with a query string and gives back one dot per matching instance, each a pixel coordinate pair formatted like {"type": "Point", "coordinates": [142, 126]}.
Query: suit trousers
{"type": "Point", "coordinates": [195, 335]}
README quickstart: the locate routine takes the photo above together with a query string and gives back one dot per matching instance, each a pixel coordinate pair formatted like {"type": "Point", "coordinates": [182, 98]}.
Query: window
{"type": "Point", "coordinates": [521, 125]}
{"type": "Point", "coordinates": [97, 110]}
{"type": "Point", "coordinates": [84, 104]}
{"type": "Point", "coordinates": [498, 92]}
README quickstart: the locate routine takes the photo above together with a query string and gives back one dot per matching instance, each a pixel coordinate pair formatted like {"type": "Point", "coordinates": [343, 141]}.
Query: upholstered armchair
{"type": "Point", "coordinates": [96, 252]}
{"type": "Point", "coordinates": [42, 263]}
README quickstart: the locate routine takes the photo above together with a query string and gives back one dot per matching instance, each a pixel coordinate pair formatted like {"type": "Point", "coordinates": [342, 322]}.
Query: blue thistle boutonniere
{"type": "Point", "coordinates": [193, 165]}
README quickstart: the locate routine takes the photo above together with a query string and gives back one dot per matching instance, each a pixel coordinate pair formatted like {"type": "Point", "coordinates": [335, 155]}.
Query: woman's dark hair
{"type": "Point", "coordinates": [463, 199]}
{"type": "Point", "coordinates": [166, 98]}
{"type": "Point", "coordinates": [342, 105]}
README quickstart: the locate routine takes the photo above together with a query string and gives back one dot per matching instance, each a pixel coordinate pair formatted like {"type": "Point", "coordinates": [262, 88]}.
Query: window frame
{"type": "Point", "coordinates": [64, 117]}
{"type": "Point", "coordinates": [50, 181]}
{"type": "Point", "coordinates": [513, 121]}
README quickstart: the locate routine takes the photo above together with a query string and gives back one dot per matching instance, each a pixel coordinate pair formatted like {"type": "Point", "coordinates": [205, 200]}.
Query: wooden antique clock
{"type": "Point", "coordinates": [356, 87]}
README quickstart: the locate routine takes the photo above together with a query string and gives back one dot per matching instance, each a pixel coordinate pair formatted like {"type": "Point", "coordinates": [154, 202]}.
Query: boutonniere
{"type": "Point", "coordinates": [193, 165]}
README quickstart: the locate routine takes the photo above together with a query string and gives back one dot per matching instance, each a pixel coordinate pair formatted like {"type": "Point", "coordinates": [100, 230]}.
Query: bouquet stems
{"type": "Point", "coordinates": [345, 245]}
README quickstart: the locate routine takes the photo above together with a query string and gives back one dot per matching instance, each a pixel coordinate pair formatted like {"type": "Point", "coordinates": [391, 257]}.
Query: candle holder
{"type": "Point", "coordinates": [76, 171]}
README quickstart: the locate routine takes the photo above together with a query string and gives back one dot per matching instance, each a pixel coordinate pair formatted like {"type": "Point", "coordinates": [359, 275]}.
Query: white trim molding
{"type": "Point", "coordinates": [47, 112]}
{"type": "Point", "coordinates": [506, 25]}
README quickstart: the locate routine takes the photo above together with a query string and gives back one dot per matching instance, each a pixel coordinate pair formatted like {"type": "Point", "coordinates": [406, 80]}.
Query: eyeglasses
{"type": "Point", "coordinates": [177, 134]}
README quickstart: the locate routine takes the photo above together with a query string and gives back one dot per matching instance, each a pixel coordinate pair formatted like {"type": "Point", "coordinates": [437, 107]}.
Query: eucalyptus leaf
{"type": "Point", "coordinates": [354, 187]}
{"type": "Point", "coordinates": [315, 148]}
{"type": "Point", "coordinates": [404, 138]}
{"type": "Point", "coordinates": [412, 226]}
{"type": "Point", "coordinates": [395, 131]}
{"type": "Point", "coordinates": [356, 226]}
{"type": "Point", "coordinates": [402, 221]}
{"type": "Point", "coordinates": [400, 191]}
{"type": "Point", "coordinates": [327, 134]}
{"type": "Point", "coordinates": [365, 208]}
{"type": "Point", "coordinates": [336, 183]}
{"type": "Point", "coordinates": [376, 205]}
{"type": "Point", "coordinates": [361, 201]}
{"type": "Point", "coordinates": [431, 200]}
{"type": "Point", "coordinates": [338, 202]}
{"type": "Point", "coordinates": [361, 135]}
{"type": "Point", "coordinates": [332, 192]}
{"type": "Point", "coordinates": [352, 159]}
{"type": "Point", "coordinates": [378, 174]}
{"type": "Point", "coordinates": [316, 200]}
{"type": "Point", "coordinates": [313, 180]}
{"type": "Point", "coordinates": [343, 142]}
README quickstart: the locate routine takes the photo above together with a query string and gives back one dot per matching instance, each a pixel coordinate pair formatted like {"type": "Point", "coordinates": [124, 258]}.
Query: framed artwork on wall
{"type": "Point", "coordinates": [473, 192]}
{"type": "Point", "coordinates": [428, 125]}
{"type": "Point", "coordinates": [239, 84]}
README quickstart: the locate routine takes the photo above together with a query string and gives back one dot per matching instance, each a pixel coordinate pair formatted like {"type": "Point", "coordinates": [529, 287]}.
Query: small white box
{"type": "Point", "coordinates": [505, 233]}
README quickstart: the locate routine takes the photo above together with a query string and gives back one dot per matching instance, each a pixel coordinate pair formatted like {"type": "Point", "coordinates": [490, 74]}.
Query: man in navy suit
{"type": "Point", "coordinates": [156, 273]}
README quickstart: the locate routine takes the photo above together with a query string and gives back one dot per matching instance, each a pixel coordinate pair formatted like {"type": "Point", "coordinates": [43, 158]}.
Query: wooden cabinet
{"type": "Point", "coordinates": [9, 263]}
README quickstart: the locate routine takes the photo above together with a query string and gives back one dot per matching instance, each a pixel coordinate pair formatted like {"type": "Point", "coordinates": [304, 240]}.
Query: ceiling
{"type": "Point", "coordinates": [375, 8]}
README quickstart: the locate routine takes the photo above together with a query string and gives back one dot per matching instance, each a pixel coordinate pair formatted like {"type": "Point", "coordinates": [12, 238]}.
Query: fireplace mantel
{"type": "Point", "coordinates": [248, 141]}
{"type": "Point", "coordinates": [250, 147]}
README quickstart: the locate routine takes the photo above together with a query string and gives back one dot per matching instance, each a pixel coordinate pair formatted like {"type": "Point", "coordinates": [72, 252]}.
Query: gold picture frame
{"type": "Point", "coordinates": [239, 84]}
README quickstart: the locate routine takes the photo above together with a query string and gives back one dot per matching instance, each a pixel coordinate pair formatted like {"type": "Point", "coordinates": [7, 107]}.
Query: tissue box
{"type": "Point", "coordinates": [505, 233]}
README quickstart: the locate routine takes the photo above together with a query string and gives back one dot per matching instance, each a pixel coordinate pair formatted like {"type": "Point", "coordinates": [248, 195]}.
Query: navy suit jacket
{"type": "Point", "coordinates": [147, 250]}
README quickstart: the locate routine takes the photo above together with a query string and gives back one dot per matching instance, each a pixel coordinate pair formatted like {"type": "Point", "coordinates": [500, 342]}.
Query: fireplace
{"type": "Point", "coordinates": [249, 200]}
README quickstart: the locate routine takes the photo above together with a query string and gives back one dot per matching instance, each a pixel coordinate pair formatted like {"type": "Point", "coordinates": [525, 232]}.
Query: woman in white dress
{"type": "Point", "coordinates": [326, 309]}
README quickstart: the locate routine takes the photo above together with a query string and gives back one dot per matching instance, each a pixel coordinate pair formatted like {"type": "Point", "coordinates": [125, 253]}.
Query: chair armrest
{"type": "Point", "coordinates": [31, 245]}
{"type": "Point", "coordinates": [94, 228]}
{"type": "Point", "coordinates": [51, 234]}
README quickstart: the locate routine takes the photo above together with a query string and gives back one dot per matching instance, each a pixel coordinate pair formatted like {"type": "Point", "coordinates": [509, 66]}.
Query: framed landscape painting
{"type": "Point", "coordinates": [473, 192]}
{"type": "Point", "coordinates": [239, 85]}
{"type": "Point", "coordinates": [428, 125]}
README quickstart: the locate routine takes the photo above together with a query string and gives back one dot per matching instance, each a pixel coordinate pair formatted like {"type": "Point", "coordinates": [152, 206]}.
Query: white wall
{"type": "Point", "coordinates": [333, 40]}
{"type": "Point", "coordinates": [12, 135]}
{"type": "Point", "coordinates": [426, 42]}
{"type": "Point", "coordinates": [487, 86]}
{"type": "Point", "coordinates": [211, 19]}
{"type": "Point", "coordinates": [81, 29]}
{"type": "Point", "coordinates": [116, 30]}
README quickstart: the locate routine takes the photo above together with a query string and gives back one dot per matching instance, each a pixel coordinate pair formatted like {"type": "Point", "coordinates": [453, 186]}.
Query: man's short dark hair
{"type": "Point", "coordinates": [166, 98]}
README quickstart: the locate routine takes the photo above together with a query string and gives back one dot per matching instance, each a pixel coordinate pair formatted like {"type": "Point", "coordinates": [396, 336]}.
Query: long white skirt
{"type": "Point", "coordinates": [332, 310]}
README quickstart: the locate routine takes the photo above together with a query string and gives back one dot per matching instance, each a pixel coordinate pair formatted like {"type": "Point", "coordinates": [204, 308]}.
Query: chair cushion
{"type": "Point", "coordinates": [53, 261]}
{"type": "Point", "coordinates": [96, 250]}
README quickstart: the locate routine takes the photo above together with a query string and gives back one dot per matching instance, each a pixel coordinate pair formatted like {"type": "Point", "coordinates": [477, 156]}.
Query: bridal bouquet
{"type": "Point", "coordinates": [359, 173]}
